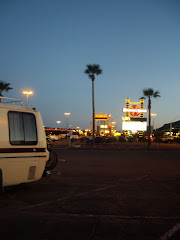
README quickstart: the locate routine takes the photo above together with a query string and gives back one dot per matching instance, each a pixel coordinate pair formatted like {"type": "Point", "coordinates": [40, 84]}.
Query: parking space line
{"type": "Point", "coordinates": [171, 232]}
{"type": "Point", "coordinates": [77, 195]}
{"type": "Point", "coordinates": [144, 176]}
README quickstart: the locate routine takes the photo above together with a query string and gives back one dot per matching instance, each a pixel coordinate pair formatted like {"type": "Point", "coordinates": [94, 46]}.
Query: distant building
{"type": "Point", "coordinates": [105, 124]}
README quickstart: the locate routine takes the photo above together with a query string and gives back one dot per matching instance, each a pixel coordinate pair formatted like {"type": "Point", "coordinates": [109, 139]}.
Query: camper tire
{"type": "Point", "coordinates": [1, 182]}
{"type": "Point", "coordinates": [53, 159]}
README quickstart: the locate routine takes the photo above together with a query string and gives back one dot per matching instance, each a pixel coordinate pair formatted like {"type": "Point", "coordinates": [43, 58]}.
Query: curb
{"type": "Point", "coordinates": [124, 149]}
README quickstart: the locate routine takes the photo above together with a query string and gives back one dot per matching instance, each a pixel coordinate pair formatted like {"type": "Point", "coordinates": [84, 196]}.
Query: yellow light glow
{"type": "Point", "coordinates": [117, 134]}
{"type": "Point", "coordinates": [126, 118]}
{"type": "Point", "coordinates": [101, 116]}
{"type": "Point", "coordinates": [27, 92]}
{"type": "Point", "coordinates": [103, 126]}
{"type": "Point", "coordinates": [134, 103]}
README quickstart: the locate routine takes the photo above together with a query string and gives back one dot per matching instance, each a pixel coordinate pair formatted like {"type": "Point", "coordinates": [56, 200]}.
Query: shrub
{"type": "Point", "coordinates": [142, 139]}
{"type": "Point", "coordinates": [100, 140]}
{"type": "Point", "coordinates": [73, 140]}
{"type": "Point", "coordinates": [83, 139]}
{"type": "Point", "coordinates": [111, 139]}
{"type": "Point", "coordinates": [158, 140]}
{"type": "Point", "coordinates": [132, 139]}
{"type": "Point", "coordinates": [177, 140]}
{"type": "Point", "coordinates": [122, 139]}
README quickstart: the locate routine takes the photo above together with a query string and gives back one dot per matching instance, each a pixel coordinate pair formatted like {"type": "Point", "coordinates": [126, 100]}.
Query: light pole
{"type": "Point", "coordinates": [27, 93]}
{"type": "Point", "coordinates": [67, 114]}
{"type": "Point", "coordinates": [58, 122]}
{"type": "Point", "coordinates": [153, 114]}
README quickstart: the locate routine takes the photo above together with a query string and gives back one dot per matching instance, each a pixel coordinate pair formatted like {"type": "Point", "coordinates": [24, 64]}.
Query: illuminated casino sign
{"type": "Point", "coordinates": [101, 117]}
{"type": "Point", "coordinates": [134, 111]}
{"type": "Point", "coordinates": [134, 114]}
{"type": "Point", "coordinates": [134, 119]}
{"type": "Point", "coordinates": [134, 125]}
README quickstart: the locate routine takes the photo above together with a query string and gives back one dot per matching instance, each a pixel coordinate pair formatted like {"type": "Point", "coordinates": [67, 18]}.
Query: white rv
{"type": "Point", "coordinates": [23, 148]}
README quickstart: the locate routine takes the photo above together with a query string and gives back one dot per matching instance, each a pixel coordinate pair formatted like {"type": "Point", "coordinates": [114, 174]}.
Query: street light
{"type": "Point", "coordinates": [153, 114]}
{"type": "Point", "coordinates": [27, 93]}
{"type": "Point", "coordinates": [67, 114]}
{"type": "Point", "coordinates": [58, 122]}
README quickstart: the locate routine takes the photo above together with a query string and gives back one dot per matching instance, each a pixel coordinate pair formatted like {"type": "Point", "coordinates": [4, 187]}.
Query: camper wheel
{"type": "Point", "coordinates": [1, 182]}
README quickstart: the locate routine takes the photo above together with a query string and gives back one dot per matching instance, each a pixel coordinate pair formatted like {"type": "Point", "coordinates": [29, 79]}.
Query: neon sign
{"type": "Point", "coordinates": [134, 110]}
{"type": "Point", "coordinates": [134, 114]}
{"type": "Point", "coordinates": [101, 117]}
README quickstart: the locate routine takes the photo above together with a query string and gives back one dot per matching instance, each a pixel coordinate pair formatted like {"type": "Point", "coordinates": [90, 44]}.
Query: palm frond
{"type": "Point", "coordinates": [92, 69]}
{"type": "Point", "coordinates": [156, 94]}
{"type": "Point", "coordinates": [148, 92]}
{"type": "Point", "coordinates": [4, 86]}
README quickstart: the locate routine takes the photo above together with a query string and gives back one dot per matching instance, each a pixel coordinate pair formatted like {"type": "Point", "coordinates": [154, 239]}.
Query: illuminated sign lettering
{"type": "Point", "coordinates": [126, 118]}
{"type": "Point", "coordinates": [101, 117]}
{"type": "Point", "coordinates": [135, 110]}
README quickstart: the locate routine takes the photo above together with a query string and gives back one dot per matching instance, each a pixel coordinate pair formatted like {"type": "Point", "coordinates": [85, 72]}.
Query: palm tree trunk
{"type": "Point", "coordinates": [149, 132]}
{"type": "Point", "coordinates": [93, 108]}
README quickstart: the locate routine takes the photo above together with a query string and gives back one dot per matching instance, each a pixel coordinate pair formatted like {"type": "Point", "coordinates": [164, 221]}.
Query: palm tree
{"type": "Point", "coordinates": [149, 93]}
{"type": "Point", "coordinates": [93, 70]}
{"type": "Point", "coordinates": [4, 87]}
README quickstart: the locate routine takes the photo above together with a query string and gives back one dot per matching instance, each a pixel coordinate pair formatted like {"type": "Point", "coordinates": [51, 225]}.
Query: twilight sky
{"type": "Point", "coordinates": [46, 44]}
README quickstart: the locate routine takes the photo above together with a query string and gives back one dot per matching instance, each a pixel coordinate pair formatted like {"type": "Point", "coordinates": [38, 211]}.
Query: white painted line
{"type": "Point", "coordinates": [62, 160]}
{"type": "Point", "coordinates": [117, 216]}
{"type": "Point", "coordinates": [171, 232]}
{"type": "Point", "coordinates": [144, 176]}
{"type": "Point", "coordinates": [79, 194]}
{"type": "Point", "coordinates": [104, 188]}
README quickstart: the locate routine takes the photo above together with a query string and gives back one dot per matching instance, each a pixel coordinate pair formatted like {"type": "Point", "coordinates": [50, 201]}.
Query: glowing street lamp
{"type": "Point", "coordinates": [27, 93]}
{"type": "Point", "coordinates": [58, 122]}
{"type": "Point", "coordinates": [67, 114]}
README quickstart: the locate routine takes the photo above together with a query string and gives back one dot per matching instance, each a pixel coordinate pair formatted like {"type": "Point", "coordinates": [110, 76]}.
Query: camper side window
{"type": "Point", "coordinates": [22, 128]}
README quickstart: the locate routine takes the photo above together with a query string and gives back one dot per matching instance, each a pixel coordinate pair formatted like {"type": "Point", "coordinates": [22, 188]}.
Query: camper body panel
{"type": "Point", "coordinates": [21, 161]}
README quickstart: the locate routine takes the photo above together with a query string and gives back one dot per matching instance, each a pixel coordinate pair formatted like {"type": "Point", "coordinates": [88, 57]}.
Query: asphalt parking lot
{"type": "Point", "coordinates": [96, 194]}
